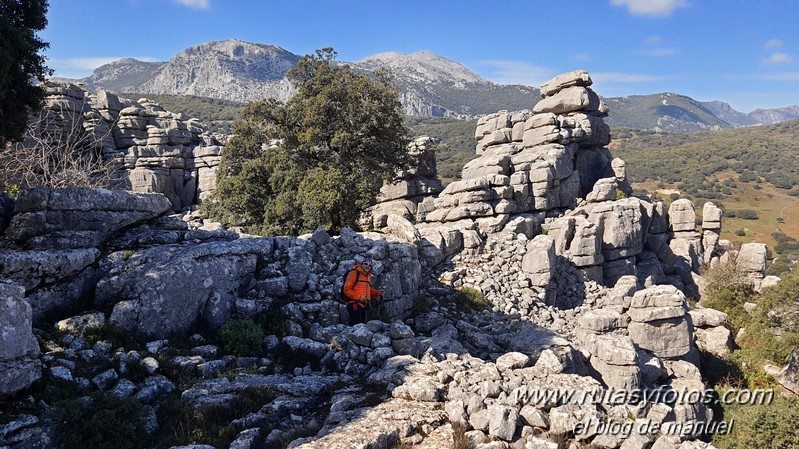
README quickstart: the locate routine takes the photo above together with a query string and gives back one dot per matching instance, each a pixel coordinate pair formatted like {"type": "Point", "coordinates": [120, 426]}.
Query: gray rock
{"type": "Point", "coordinates": [715, 340]}
{"type": "Point", "coordinates": [399, 330]}
{"type": "Point", "coordinates": [604, 190]}
{"type": "Point", "coordinates": [77, 325]}
{"type": "Point", "coordinates": [570, 99]}
{"type": "Point", "coordinates": [502, 422]}
{"type": "Point", "coordinates": [19, 350]}
{"type": "Point", "coordinates": [79, 217]}
{"type": "Point", "coordinates": [170, 291]}
{"type": "Point", "coordinates": [664, 338]}
{"type": "Point", "coordinates": [539, 260]}
{"type": "Point", "coordinates": [306, 346]}
{"type": "Point", "coordinates": [564, 80]}
{"type": "Point", "coordinates": [711, 217]}
{"type": "Point", "coordinates": [246, 439]}
{"type": "Point", "coordinates": [61, 373]}
{"type": "Point", "coordinates": [682, 216]}
{"type": "Point", "coordinates": [32, 269]}
{"type": "Point", "coordinates": [512, 360]}
{"type": "Point", "coordinates": [752, 259]}
{"type": "Point", "coordinates": [124, 389]}
{"type": "Point", "coordinates": [106, 379]}
{"type": "Point", "coordinates": [704, 317]}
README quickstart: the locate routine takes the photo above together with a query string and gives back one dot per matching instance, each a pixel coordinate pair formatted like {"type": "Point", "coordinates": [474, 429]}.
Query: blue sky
{"type": "Point", "coordinates": [739, 51]}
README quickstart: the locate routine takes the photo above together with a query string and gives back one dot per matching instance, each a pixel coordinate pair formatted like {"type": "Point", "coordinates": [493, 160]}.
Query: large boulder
{"type": "Point", "coordinates": [175, 290]}
{"type": "Point", "coordinates": [682, 216]}
{"type": "Point", "coordinates": [19, 350]}
{"type": "Point", "coordinates": [79, 217]}
{"type": "Point", "coordinates": [53, 280]}
{"type": "Point", "coordinates": [659, 323]}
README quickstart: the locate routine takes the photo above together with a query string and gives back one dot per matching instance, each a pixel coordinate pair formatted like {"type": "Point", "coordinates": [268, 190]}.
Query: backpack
{"type": "Point", "coordinates": [342, 298]}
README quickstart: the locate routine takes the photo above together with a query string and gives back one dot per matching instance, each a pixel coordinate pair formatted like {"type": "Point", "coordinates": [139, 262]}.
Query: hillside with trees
{"type": "Point", "coordinates": [218, 114]}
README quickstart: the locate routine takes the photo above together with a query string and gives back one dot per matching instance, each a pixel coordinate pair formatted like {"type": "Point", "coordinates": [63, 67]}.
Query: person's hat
{"type": "Point", "coordinates": [367, 261]}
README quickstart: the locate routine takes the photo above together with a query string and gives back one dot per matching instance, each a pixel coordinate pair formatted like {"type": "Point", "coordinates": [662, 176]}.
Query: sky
{"type": "Point", "coordinates": [743, 52]}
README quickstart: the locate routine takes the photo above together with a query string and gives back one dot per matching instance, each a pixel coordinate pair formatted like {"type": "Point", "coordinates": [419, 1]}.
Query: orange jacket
{"type": "Point", "coordinates": [360, 289]}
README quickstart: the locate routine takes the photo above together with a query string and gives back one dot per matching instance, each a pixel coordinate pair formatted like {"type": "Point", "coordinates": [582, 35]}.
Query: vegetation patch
{"type": "Point", "coordinates": [101, 421]}
{"type": "Point", "coordinates": [472, 300]}
{"type": "Point", "coordinates": [242, 338]}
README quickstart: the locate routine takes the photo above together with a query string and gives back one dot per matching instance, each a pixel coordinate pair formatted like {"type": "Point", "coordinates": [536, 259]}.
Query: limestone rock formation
{"type": "Point", "coordinates": [410, 195]}
{"type": "Point", "coordinates": [515, 298]}
{"type": "Point", "coordinates": [19, 351]}
{"type": "Point", "coordinates": [78, 217]}
{"type": "Point", "coordinates": [156, 150]}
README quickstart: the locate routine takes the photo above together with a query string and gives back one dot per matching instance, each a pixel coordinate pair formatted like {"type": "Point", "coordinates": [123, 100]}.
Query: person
{"type": "Point", "coordinates": [359, 292]}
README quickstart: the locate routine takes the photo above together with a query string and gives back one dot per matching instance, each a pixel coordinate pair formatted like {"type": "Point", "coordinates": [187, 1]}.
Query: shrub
{"type": "Point", "coordinates": [272, 322]}
{"type": "Point", "coordinates": [748, 214]}
{"type": "Point", "coordinates": [771, 426]}
{"type": "Point", "coordinates": [472, 300]}
{"type": "Point", "coordinates": [242, 338]}
{"type": "Point", "coordinates": [101, 421]}
{"type": "Point", "coordinates": [740, 233]}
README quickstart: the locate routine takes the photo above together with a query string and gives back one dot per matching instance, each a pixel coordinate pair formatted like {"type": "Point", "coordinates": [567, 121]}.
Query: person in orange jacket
{"type": "Point", "coordinates": [359, 292]}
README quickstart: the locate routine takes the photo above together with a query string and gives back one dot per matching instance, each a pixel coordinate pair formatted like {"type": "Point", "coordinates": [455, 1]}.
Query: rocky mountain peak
{"type": "Point", "coordinates": [422, 66]}
{"type": "Point", "coordinates": [230, 69]}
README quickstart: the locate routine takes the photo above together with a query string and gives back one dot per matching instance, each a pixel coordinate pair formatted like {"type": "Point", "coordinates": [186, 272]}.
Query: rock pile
{"type": "Point", "coordinates": [156, 150]}
{"type": "Point", "coordinates": [581, 284]}
{"type": "Point", "coordinates": [410, 195]}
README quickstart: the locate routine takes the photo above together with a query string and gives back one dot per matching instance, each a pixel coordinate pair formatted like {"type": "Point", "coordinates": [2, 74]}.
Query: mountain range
{"type": "Point", "coordinates": [430, 85]}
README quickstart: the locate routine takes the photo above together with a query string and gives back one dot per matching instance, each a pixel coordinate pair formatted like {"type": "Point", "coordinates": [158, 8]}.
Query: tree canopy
{"type": "Point", "coordinates": [20, 62]}
{"type": "Point", "coordinates": [318, 159]}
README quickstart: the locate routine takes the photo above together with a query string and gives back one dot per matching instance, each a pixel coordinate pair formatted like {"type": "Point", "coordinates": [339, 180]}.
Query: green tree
{"type": "Point", "coordinates": [20, 61]}
{"type": "Point", "coordinates": [317, 160]}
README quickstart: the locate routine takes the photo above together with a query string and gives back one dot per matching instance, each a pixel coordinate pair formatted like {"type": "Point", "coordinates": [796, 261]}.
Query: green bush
{"type": "Point", "coordinates": [747, 214]}
{"type": "Point", "coordinates": [101, 421]}
{"type": "Point", "coordinates": [272, 322]}
{"type": "Point", "coordinates": [762, 426]}
{"type": "Point", "coordinates": [472, 300]}
{"type": "Point", "coordinates": [242, 338]}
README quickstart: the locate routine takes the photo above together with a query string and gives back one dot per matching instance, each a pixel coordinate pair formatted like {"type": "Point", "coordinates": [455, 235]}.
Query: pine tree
{"type": "Point", "coordinates": [20, 62]}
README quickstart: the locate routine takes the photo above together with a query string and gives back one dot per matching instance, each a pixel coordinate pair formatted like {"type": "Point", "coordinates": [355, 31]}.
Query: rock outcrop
{"type": "Point", "coordinates": [410, 195]}
{"type": "Point", "coordinates": [155, 150]}
{"type": "Point", "coordinates": [20, 366]}
{"type": "Point", "coordinates": [515, 300]}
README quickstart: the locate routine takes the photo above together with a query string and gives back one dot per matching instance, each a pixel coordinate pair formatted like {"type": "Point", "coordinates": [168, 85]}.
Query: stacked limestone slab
{"type": "Point", "coordinates": [532, 161]}
{"type": "Point", "coordinates": [157, 150]}
{"type": "Point", "coordinates": [410, 195]}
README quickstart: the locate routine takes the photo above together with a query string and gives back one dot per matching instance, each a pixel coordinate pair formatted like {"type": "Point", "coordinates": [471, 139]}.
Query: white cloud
{"type": "Point", "coordinates": [653, 40]}
{"type": "Point", "coordinates": [517, 72]}
{"type": "Point", "coordinates": [654, 8]}
{"type": "Point", "coordinates": [621, 77]}
{"type": "Point", "coordinates": [778, 58]}
{"type": "Point", "coordinates": [774, 43]}
{"type": "Point", "coordinates": [195, 4]}
{"type": "Point", "coordinates": [658, 52]}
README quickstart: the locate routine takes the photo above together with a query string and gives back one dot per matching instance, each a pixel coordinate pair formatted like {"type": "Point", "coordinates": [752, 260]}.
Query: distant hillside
{"type": "Point", "coordinates": [429, 84]}
{"type": "Point", "coordinates": [219, 115]}
{"type": "Point", "coordinates": [124, 75]}
{"type": "Point", "coordinates": [457, 142]}
{"type": "Point", "coordinates": [776, 115]}
{"type": "Point", "coordinates": [752, 173]}
{"type": "Point", "coordinates": [662, 112]}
